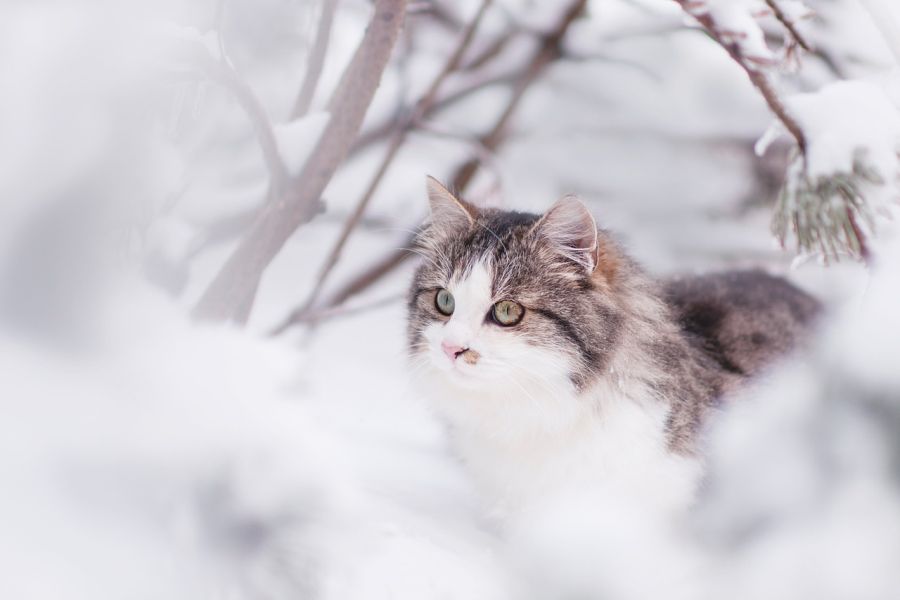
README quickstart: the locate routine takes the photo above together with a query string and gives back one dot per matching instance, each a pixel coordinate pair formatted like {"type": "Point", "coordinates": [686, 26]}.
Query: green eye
{"type": "Point", "coordinates": [508, 313]}
{"type": "Point", "coordinates": [444, 302]}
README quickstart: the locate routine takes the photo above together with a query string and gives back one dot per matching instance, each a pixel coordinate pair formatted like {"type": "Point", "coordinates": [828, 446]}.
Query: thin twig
{"type": "Point", "coordinates": [315, 60]}
{"type": "Point", "coordinates": [788, 24]}
{"type": "Point", "coordinates": [389, 126]}
{"type": "Point", "coordinates": [490, 52]}
{"type": "Point", "coordinates": [221, 72]}
{"type": "Point", "coordinates": [757, 76]}
{"type": "Point", "coordinates": [378, 132]}
{"type": "Point", "coordinates": [546, 53]}
{"type": "Point", "coordinates": [231, 294]}
{"type": "Point", "coordinates": [325, 314]}
{"type": "Point", "coordinates": [418, 112]}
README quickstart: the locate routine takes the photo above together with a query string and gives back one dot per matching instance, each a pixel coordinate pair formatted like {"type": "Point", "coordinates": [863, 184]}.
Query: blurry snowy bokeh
{"type": "Point", "coordinates": [143, 454]}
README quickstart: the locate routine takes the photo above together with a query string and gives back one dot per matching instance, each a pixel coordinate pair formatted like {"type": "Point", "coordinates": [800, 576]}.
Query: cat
{"type": "Point", "coordinates": [558, 363]}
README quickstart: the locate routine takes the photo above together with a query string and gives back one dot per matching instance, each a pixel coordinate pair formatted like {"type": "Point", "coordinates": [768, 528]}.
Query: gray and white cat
{"type": "Point", "coordinates": [559, 364]}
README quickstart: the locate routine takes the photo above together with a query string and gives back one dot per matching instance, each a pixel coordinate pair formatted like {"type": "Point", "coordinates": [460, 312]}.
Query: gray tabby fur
{"type": "Point", "coordinates": [690, 340]}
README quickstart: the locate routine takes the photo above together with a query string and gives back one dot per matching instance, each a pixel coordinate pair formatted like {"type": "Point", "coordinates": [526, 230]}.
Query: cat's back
{"type": "Point", "coordinates": [742, 319]}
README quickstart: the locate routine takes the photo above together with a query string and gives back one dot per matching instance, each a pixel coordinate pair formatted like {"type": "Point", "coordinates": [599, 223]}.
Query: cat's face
{"type": "Point", "coordinates": [507, 300]}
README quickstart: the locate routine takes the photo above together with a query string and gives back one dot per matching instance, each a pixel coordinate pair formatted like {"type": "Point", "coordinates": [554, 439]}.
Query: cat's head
{"type": "Point", "coordinates": [511, 300]}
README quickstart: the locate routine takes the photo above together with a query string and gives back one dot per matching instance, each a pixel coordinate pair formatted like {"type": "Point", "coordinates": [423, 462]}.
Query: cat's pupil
{"type": "Point", "coordinates": [444, 302]}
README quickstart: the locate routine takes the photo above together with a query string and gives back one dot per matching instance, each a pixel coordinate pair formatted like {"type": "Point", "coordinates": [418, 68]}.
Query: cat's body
{"type": "Point", "coordinates": [558, 364]}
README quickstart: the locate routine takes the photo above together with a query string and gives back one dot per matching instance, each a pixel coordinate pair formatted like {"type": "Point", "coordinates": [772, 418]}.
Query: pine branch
{"type": "Point", "coordinates": [824, 213]}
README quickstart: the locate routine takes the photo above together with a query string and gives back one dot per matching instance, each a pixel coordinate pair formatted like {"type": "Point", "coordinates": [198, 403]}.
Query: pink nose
{"type": "Point", "coordinates": [452, 350]}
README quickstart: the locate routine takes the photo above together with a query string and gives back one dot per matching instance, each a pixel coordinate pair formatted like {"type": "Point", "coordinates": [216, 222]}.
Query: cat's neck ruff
{"type": "Point", "coordinates": [523, 446]}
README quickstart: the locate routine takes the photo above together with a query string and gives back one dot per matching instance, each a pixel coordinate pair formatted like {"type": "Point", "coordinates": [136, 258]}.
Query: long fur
{"type": "Point", "coordinates": [609, 377]}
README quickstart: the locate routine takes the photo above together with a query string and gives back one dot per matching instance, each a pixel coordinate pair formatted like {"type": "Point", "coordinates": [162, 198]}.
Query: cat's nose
{"type": "Point", "coordinates": [452, 350]}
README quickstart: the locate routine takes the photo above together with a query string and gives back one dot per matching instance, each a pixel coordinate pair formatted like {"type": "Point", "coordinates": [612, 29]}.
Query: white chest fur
{"type": "Point", "coordinates": [599, 442]}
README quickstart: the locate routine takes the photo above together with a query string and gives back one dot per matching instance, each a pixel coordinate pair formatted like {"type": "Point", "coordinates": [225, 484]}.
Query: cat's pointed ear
{"type": "Point", "coordinates": [570, 227]}
{"type": "Point", "coordinates": [447, 211]}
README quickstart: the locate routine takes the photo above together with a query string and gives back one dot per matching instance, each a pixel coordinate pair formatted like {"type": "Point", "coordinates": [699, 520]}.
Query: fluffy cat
{"type": "Point", "coordinates": [559, 364]}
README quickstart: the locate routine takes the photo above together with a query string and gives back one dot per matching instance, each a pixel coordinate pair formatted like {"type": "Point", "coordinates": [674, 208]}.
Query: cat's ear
{"type": "Point", "coordinates": [570, 227]}
{"type": "Point", "coordinates": [448, 212]}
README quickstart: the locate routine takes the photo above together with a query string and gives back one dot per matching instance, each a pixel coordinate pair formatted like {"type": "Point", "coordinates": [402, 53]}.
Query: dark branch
{"type": "Point", "coordinates": [788, 24]}
{"type": "Point", "coordinates": [757, 76]}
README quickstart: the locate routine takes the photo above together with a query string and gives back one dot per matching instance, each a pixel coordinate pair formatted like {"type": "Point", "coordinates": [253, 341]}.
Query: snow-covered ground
{"type": "Point", "coordinates": [144, 455]}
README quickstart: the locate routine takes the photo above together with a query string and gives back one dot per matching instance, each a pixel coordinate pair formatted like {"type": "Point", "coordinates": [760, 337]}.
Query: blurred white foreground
{"type": "Point", "coordinates": [145, 456]}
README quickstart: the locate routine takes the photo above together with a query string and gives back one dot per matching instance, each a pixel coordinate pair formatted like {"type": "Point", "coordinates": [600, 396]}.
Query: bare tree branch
{"type": "Point", "coordinates": [548, 51]}
{"type": "Point", "coordinates": [315, 60]}
{"type": "Point", "coordinates": [474, 85]}
{"type": "Point", "coordinates": [379, 132]}
{"type": "Point", "coordinates": [317, 316]}
{"type": "Point", "coordinates": [224, 74]}
{"type": "Point", "coordinates": [788, 24]}
{"type": "Point", "coordinates": [231, 294]}
{"type": "Point", "coordinates": [418, 112]}
{"type": "Point", "coordinates": [821, 212]}
{"type": "Point", "coordinates": [490, 52]}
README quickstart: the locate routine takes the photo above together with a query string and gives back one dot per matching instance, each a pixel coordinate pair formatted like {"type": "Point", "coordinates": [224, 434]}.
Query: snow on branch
{"type": "Point", "coordinates": [847, 135]}
{"type": "Point", "coordinates": [733, 26]}
{"type": "Point", "coordinates": [788, 13]}
{"type": "Point", "coordinates": [848, 172]}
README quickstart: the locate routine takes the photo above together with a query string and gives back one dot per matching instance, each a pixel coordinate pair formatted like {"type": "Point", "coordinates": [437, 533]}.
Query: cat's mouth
{"type": "Point", "coordinates": [467, 370]}
{"type": "Point", "coordinates": [464, 362]}
{"type": "Point", "coordinates": [467, 355]}
{"type": "Point", "coordinates": [461, 364]}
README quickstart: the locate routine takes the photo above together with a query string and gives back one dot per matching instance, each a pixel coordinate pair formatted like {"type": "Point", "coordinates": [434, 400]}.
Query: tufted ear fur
{"type": "Point", "coordinates": [571, 229]}
{"type": "Point", "coordinates": [448, 213]}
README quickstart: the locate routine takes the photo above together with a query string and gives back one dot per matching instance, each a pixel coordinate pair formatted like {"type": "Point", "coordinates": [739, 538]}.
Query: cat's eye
{"type": "Point", "coordinates": [507, 313]}
{"type": "Point", "coordinates": [444, 302]}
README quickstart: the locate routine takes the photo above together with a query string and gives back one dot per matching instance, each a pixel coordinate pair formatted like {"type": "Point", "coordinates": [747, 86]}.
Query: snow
{"type": "Point", "coordinates": [218, 447]}
{"type": "Point", "coordinates": [145, 455]}
{"type": "Point", "coordinates": [886, 17]}
{"type": "Point", "coordinates": [737, 20]}
{"type": "Point", "coordinates": [794, 11]}
{"type": "Point", "coordinates": [845, 122]}
{"type": "Point", "coordinates": [803, 486]}
{"type": "Point", "coordinates": [209, 41]}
